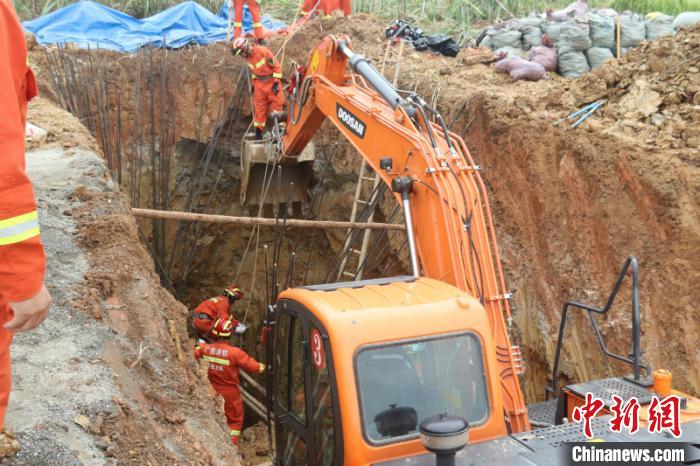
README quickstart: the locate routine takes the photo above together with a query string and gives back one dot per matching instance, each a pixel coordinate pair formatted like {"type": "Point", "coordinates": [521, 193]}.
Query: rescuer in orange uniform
{"type": "Point", "coordinates": [24, 300]}
{"type": "Point", "coordinates": [224, 363]}
{"type": "Point", "coordinates": [213, 309]}
{"type": "Point", "coordinates": [326, 6]}
{"type": "Point", "coordinates": [254, 8]}
{"type": "Point", "coordinates": [266, 72]}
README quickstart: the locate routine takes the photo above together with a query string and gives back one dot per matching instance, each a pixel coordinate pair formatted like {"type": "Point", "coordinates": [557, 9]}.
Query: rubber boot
{"type": "Point", "coordinates": [9, 445]}
{"type": "Point", "coordinates": [258, 134]}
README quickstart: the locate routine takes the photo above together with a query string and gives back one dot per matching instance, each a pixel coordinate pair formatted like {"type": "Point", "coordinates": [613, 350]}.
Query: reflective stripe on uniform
{"type": "Point", "coordinates": [259, 124]}
{"type": "Point", "coordinates": [260, 63]}
{"type": "Point", "coordinates": [277, 75]}
{"type": "Point", "coordinates": [19, 228]}
{"type": "Point", "coordinates": [234, 433]}
{"type": "Point", "coordinates": [216, 300]}
{"type": "Point", "coordinates": [257, 25]}
{"type": "Point", "coordinates": [238, 25]}
{"type": "Point", "coordinates": [250, 66]}
{"type": "Point", "coordinates": [223, 362]}
{"type": "Point", "coordinates": [262, 368]}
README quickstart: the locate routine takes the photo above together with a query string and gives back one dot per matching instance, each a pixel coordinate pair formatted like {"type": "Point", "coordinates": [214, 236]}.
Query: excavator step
{"type": "Point", "coordinates": [556, 436]}
{"type": "Point", "coordinates": [360, 201]}
{"type": "Point", "coordinates": [349, 274]}
{"type": "Point", "coordinates": [368, 178]}
{"type": "Point", "coordinates": [355, 251]}
{"type": "Point", "coordinates": [543, 413]}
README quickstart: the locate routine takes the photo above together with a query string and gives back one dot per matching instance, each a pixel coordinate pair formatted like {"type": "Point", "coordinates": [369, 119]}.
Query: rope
{"type": "Point", "coordinates": [283, 47]}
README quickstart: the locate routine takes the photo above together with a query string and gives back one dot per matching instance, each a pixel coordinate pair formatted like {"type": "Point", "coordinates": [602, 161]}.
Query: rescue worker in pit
{"type": "Point", "coordinates": [24, 300]}
{"type": "Point", "coordinates": [225, 361]}
{"type": "Point", "coordinates": [254, 8]}
{"type": "Point", "coordinates": [213, 309]}
{"type": "Point", "coordinates": [266, 74]}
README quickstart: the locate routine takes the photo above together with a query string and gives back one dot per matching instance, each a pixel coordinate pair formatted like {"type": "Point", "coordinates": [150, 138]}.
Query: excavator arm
{"type": "Point", "coordinates": [430, 171]}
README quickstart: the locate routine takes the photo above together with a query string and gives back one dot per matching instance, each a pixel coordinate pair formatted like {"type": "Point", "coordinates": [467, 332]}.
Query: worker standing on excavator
{"type": "Point", "coordinates": [225, 361]}
{"type": "Point", "coordinates": [254, 8]}
{"type": "Point", "coordinates": [217, 309]}
{"type": "Point", "coordinates": [266, 73]}
{"type": "Point", "coordinates": [24, 300]}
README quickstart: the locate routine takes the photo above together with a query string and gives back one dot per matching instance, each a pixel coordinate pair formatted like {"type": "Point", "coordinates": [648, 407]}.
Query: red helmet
{"type": "Point", "coordinates": [233, 292]}
{"type": "Point", "coordinates": [222, 328]}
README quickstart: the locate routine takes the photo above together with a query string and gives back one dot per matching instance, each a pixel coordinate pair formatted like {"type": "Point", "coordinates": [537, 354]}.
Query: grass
{"type": "Point", "coordinates": [449, 16]}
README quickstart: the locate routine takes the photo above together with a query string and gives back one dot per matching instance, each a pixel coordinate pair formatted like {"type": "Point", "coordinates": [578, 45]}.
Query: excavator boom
{"type": "Point", "coordinates": [406, 141]}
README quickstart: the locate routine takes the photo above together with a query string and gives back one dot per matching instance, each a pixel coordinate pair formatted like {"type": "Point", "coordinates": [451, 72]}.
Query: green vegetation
{"type": "Point", "coordinates": [452, 16]}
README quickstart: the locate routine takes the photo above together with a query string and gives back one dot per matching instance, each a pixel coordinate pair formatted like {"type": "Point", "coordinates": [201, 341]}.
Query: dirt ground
{"type": "Point", "coordinates": [569, 204]}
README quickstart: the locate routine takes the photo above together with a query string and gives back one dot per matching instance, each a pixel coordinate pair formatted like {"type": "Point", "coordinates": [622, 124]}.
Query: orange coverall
{"type": "Point", "coordinates": [22, 261]}
{"type": "Point", "coordinates": [224, 363]}
{"type": "Point", "coordinates": [266, 72]}
{"type": "Point", "coordinates": [254, 8]}
{"type": "Point", "coordinates": [213, 309]}
{"type": "Point", "coordinates": [327, 6]}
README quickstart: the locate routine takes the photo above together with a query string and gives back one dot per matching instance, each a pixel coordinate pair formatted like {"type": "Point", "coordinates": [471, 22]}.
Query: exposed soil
{"type": "Point", "coordinates": [569, 205]}
{"type": "Point", "coordinates": [115, 336]}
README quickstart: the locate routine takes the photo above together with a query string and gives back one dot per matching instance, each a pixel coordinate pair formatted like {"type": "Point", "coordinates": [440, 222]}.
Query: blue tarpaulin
{"type": "Point", "coordinates": [87, 23]}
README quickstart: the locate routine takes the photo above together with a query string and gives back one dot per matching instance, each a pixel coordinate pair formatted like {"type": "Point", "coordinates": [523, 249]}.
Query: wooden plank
{"type": "Point", "coordinates": [259, 221]}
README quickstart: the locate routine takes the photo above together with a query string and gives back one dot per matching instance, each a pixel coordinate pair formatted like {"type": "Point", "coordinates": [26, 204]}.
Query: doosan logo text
{"type": "Point", "coordinates": [351, 122]}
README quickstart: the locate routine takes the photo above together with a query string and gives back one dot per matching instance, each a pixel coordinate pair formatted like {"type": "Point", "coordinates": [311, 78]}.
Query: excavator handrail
{"type": "Point", "coordinates": [636, 359]}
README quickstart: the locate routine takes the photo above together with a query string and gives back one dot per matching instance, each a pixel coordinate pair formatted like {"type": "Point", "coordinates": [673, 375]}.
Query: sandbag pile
{"type": "Point", "coordinates": [584, 39]}
{"type": "Point", "coordinates": [519, 68]}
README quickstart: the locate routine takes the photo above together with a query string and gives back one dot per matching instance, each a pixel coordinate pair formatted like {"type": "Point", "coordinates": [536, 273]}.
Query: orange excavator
{"type": "Point", "coordinates": [356, 367]}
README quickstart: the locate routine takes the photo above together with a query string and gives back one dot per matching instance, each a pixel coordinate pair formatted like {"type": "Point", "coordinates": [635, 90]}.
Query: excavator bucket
{"type": "Point", "coordinates": [259, 177]}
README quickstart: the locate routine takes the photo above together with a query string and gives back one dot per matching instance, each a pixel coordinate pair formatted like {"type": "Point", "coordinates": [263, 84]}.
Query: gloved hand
{"type": "Point", "coordinates": [276, 87]}
{"type": "Point", "coordinates": [240, 328]}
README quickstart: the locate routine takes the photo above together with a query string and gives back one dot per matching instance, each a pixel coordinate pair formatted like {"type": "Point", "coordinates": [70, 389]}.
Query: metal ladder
{"type": "Point", "coordinates": [363, 177]}
{"type": "Point", "coordinates": [362, 252]}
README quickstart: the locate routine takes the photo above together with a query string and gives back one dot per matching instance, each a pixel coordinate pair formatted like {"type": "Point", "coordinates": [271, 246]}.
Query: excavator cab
{"type": "Point", "coordinates": [361, 364]}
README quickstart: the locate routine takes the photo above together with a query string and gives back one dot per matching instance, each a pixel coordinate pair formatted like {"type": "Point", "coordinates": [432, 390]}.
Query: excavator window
{"type": "Point", "coordinates": [322, 403]}
{"type": "Point", "coordinates": [290, 363]}
{"type": "Point", "coordinates": [290, 391]}
{"type": "Point", "coordinates": [306, 413]}
{"type": "Point", "coordinates": [403, 383]}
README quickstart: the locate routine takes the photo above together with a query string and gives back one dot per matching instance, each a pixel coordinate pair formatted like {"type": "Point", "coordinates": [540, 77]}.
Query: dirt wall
{"type": "Point", "coordinates": [109, 376]}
